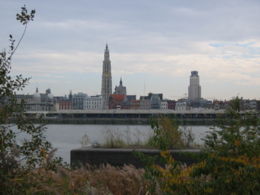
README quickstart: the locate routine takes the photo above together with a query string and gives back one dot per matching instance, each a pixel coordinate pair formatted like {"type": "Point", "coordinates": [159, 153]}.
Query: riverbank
{"type": "Point", "coordinates": [119, 121]}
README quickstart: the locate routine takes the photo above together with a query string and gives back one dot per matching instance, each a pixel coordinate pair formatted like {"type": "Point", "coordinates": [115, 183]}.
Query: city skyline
{"type": "Point", "coordinates": [153, 46]}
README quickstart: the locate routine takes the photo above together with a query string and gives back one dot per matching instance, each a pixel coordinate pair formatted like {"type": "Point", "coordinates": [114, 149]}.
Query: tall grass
{"type": "Point", "coordinates": [104, 180]}
{"type": "Point", "coordinates": [166, 133]}
{"type": "Point", "coordinates": [124, 139]}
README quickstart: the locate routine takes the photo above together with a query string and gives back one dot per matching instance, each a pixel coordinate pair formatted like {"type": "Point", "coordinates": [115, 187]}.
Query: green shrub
{"type": "Point", "coordinates": [231, 164]}
{"type": "Point", "coordinates": [18, 159]}
{"type": "Point", "coordinates": [166, 134]}
{"type": "Point", "coordinates": [114, 139]}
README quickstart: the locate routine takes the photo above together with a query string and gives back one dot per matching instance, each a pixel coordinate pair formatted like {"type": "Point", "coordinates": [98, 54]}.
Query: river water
{"type": "Point", "coordinates": [68, 137]}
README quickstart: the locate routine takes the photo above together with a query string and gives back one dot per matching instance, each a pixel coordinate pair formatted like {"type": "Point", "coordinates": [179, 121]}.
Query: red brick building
{"type": "Point", "coordinates": [116, 101]}
{"type": "Point", "coordinates": [65, 105]}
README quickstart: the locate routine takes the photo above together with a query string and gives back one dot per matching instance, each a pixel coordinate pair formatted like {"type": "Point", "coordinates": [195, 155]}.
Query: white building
{"type": "Point", "coordinates": [194, 91]}
{"type": "Point", "coordinates": [181, 106]}
{"type": "Point", "coordinates": [39, 101]}
{"type": "Point", "coordinates": [93, 103]}
{"type": "Point", "coordinates": [164, 105]}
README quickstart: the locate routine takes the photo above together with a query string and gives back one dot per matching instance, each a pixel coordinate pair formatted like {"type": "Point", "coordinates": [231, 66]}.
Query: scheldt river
{"type": "Point", "coordinates": [68, 137]}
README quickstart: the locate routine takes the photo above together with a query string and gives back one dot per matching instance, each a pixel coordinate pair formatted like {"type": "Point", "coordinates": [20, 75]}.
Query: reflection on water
{"type": "Point", "coordinates": [68, 137]}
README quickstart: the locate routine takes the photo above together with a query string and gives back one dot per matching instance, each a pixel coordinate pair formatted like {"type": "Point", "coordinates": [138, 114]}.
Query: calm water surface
{"type": "Point", "coordinates": [68, 137]}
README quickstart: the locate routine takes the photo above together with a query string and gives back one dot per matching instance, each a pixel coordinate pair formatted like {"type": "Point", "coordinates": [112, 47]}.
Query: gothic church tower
{"type": "Point", "coordinates": [106, 89]}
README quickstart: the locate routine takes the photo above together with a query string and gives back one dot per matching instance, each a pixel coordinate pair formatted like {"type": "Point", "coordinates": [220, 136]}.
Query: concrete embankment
{"type": "Point", "coordinates": [205, 117]}
{"type": "Point", "coordinates": [124, 156]}
{"type": "Point", "coordinates": [118, 121]}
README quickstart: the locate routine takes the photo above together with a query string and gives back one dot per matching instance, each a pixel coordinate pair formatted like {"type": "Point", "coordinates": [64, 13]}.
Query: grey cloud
{"type": "Point", "coordinates": [175, 35]}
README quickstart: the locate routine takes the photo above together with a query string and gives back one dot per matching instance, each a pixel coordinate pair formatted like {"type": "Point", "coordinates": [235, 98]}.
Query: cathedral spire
{"type": "Point", "coordinates": [106, 54]}
{"type": "Point", "coordinates": [106, 88]}
{"type": "Point", "coordinates": [121, 83]}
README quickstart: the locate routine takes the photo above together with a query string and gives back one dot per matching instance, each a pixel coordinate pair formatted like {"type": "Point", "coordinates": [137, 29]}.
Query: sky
{"type": "Point", "coordinates": [154, 45]}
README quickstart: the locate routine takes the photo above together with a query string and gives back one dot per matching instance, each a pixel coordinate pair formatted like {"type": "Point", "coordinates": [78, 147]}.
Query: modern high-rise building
{"type": "Point", "coordinates": [106, 89]}
{"type": "Point", "coordinates": [194, 93]}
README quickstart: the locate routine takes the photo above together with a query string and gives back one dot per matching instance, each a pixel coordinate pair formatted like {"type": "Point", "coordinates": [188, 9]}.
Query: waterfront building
{"type": "Point", "coordinates": [182, 104]}
{"type": "Point", "coordinates": [22, 98]}
{"type": "Point", "coordinates": [155, 101]}
{"type": "Point", "coordinates": [220, 105]}
{"type": "Point", "coordinates": [134, 104]}
{"type": "Point", "coordinates": [94, 103]}
{"type": "Point", "coordinates": [194, 90]}
{"type": "Point", "coordinates": [36, 97]}
{"type": "Point", "coordinates": [78, 101]}
{"type": "Point", "coordinates": [106, 89]}
{"type": "Point", "coordinates": [120, 89]}
{"type": "Point", "coordinates": [59, 98]}
{"type": "Point", "coordinates": [64, 105]}
{"type": "Point", "coordinates": [63, 102]}
{"type": "Point", "coordinates": [131, 98]}
{"type": "Point", "coordinates": [171, 104]}
{"type": "Point", "coordinates": [247, 104]}
{"type": "Point", "coordinates": [164, 105]}
{"type": "Point", "coordinates": [202, 103]}
{"type": "Point", "coordinates": [145, 104]}
{"type": "Point", "coordinates": [157, 94]}
{"type": "Point", "coordinates": [47, 96]}
{"type": "Point", "coordinates": [38, 101]}
{"type": "Point", "coordinates": [117, 101]}
{"type": "Point", "coordinates": [152, 101]}
{"type": "Point", "coordinates": [131, 102]}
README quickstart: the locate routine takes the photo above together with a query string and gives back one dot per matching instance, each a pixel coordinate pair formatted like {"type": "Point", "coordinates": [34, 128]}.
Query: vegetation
{"type": "Point", "coordinates": [104, 180]}
{"type": "Point", "coordinates": [28, 167]}
{"type": "Point", "coordinates": [17, 159]}
{"type": "Point", "coordinates": [114, 139]}
{"type": "Point", "coordinates": [231, 165]}
{"type": "Point", "coordinates": [166, 134]}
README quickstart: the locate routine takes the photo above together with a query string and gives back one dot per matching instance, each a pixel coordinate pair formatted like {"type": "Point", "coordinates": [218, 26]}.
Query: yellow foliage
{"type": "Point", "coordinates": [245, 160]}
{"type": "Point", "coordinates": [237, 143]}
{"type": "Point", "coordinates": [173, 175]}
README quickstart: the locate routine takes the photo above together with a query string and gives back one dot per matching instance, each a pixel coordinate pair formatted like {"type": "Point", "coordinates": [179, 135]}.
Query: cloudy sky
{"type": "Point", "coordinates": [153, 45]}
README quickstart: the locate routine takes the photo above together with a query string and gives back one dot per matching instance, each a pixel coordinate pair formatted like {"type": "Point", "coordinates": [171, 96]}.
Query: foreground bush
{"type": "Point", "coordinates": [231, 166]}
{"type": "Point", "coordinates": [215, 175]}
{"type": "Point", "coordinates": [18, 159]}
{"type": "Point", "coordinates": [167, 134]}
{"type": "Point", "coordinates": [104, 180]}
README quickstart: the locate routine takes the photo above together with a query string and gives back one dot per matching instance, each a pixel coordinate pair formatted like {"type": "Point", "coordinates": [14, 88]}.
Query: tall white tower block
{"type": "Point", "coordinates": [194, 90]}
